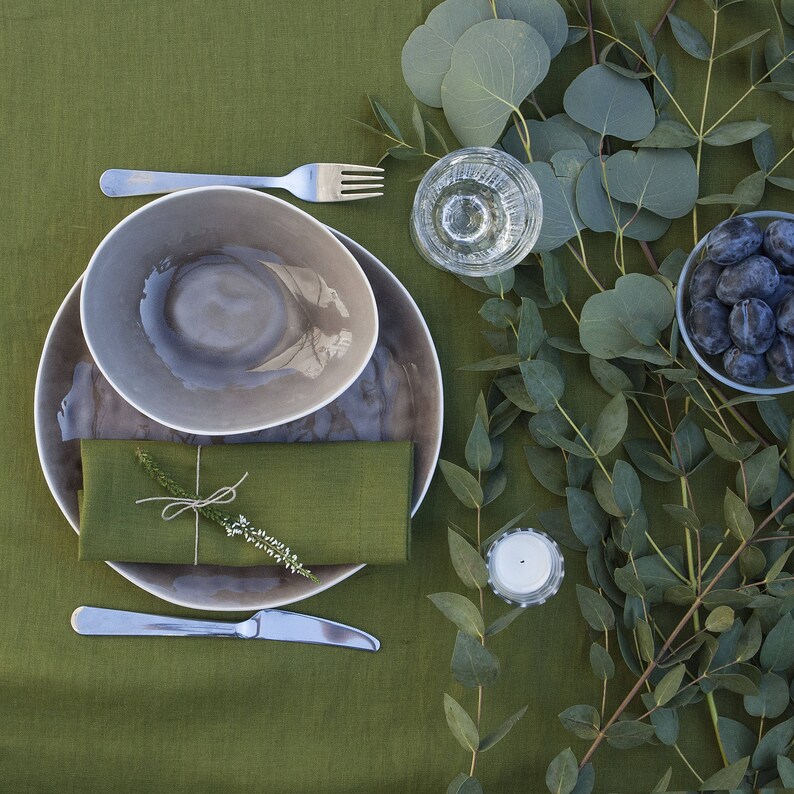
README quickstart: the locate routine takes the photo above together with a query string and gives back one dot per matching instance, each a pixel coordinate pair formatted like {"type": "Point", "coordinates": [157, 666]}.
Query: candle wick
{"type": "Point", "coordinates": [522, 562]}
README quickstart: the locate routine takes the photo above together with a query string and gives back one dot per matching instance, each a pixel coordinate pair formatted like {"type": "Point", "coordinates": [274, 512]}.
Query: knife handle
{"type": "Point", "coordinates": [116, 622]}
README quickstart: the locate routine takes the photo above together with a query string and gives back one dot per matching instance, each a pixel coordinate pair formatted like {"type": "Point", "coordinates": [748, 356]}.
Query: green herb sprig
{"type": "Point", "coordinates": [234, 526]}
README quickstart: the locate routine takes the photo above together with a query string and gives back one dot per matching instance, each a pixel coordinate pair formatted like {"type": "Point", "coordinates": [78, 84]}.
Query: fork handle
{"type": "Point", "coordinates": [126, 182]}
{"type": "Point", "coordinates": [116, 622]}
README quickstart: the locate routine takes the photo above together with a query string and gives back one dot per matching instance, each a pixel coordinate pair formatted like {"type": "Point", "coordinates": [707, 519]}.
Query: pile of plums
{"type": "Point", "coordinates": [742, 299]}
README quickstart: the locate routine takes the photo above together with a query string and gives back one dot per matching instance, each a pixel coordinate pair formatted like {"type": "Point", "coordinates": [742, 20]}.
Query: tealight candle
{"type": "Point", "coordinates": [525, 567]}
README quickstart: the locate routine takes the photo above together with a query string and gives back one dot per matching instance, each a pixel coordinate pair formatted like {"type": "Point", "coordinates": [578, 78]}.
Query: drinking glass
{"type": "Point", "coordinates": [477, 212]}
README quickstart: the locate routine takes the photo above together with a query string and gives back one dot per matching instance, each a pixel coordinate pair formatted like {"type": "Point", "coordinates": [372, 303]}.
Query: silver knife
{"type": "Point", "coordinates": [268, 624]}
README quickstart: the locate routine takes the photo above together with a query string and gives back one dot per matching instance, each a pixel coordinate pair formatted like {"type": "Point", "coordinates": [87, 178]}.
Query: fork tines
{"type": "Point", "coordinates": [359, 178]}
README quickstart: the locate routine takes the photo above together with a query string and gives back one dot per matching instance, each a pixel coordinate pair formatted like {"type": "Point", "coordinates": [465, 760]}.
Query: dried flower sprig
{"type": "Point", "coordinates": [240, 525]}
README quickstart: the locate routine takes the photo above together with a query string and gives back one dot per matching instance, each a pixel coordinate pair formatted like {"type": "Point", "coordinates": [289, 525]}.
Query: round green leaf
{"type": "Point", "coordinates": [561, 219]}
{"type": "Point", "coordinates": [663, 181]}
{"type": "Point", "coordinates": [771, 700]}
{"type": "Point", "coordinates": [669, 134]}
{"type": "Point", "coordinates": [495, 65]}
{"type": "Point", "coordinates": [546, 139]}
{"type": "Point", "coordinates": [610, 104]}
{"type": "Point", "coordinates": [629, 733]}
{"type": "Point", "coordinates": [777, 652]}
{"type": "Point", "coordinates": [582, 721]}
{"type": "Point", "coordinates": [427, 54]}
{"type": "Point", "coordinates": [546, 16]}
{"type": "Point", "coordinates": [720, 619]}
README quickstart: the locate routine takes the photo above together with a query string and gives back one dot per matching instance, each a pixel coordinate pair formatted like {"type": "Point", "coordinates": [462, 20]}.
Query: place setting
{"type": "Point", "coordinates": [273, 367]}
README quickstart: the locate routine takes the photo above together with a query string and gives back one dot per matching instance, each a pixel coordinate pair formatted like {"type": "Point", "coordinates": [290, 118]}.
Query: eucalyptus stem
{"type": "Point", "coordinates": [780, 161]}
{"type": "Point", "coordinates": [686, 761]}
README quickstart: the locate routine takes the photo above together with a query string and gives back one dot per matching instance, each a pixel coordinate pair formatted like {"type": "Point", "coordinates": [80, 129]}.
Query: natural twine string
{"type": "Point", "coordinates": [176, 506]}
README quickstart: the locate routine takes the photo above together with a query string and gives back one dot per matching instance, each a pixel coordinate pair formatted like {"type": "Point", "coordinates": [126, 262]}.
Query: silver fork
{"type": "Point", "coordinates": [312, 182]}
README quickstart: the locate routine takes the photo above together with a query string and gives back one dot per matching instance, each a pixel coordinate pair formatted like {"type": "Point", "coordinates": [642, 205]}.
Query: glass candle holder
{"type": "Point", "coordinates": [477, 212]}
{"type": "Point", "coordinates": [525, 567]}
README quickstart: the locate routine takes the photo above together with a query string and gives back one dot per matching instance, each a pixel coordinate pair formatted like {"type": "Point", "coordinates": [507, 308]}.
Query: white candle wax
{"type": "Point", "coordinates": [520, 563]}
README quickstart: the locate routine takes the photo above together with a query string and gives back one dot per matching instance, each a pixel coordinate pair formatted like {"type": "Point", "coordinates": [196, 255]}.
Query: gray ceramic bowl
{"type": "Point", "coordinates": [222, 310]}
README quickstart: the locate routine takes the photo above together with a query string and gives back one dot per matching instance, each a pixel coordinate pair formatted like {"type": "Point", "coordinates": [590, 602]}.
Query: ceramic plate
{"type": "Point", "coordinates": [398, 396]}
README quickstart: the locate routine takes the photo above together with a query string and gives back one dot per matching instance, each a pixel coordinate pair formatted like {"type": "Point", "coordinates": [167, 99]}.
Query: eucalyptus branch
{"type": "Point", "coordinates": [678, 629]}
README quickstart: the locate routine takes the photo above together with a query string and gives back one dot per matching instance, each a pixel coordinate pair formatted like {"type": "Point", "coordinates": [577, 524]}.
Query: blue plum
{"type": "Point", "coordinates": [703, 283]}
{"type": "Point", "coordinates": [734, 240]}
{"type": "Point", "coordinates": [754, 277]}
{"type": "Point", "coordinates": [779, 244]}
{"type": "Point", "coordinates": [785, 285]}
{"type": "Point", "coordinates": [785, 314]}
{"type": "Point", "coordinates": [752, 326]}
{"type": "Point", "coordinates": [780, 357]}
{"type": "Point", "coordinates": [744, 367]}
{"type": "Point", "coordinates": [707, 322]}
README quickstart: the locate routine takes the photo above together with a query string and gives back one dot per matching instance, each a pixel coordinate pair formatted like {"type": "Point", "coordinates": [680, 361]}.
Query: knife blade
{"type": "Point", "coordinates": [267, 624]}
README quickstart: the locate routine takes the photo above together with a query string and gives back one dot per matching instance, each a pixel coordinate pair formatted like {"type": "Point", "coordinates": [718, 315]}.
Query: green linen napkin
{"type": "Point", "coordinates": [343, 502]}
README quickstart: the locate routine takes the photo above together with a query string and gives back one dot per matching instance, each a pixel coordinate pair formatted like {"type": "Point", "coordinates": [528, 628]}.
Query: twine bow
{"type": "Point", "coordinates": [178, 505]}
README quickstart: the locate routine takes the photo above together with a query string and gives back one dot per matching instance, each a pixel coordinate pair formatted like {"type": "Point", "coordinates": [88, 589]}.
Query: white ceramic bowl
{"type": "Point", "coordinates": [223, 310]}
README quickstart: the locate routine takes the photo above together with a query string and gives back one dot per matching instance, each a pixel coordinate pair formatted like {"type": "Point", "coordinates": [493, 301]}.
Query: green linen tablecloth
{"type": "Point", "coordinates": [245, 86]}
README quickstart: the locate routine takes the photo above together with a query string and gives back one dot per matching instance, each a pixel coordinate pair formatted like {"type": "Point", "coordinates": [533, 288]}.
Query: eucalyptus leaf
{"type": "Point", "coordinates": [611, 425]}
{"type": "Point", "coordinates": [472, 664]}
{"type": "Point", "coordinates": [626, 734]}
{"type": "Point", "coordinates": [682, 515]}
{"type": "Point", "coordinates": [601, 662]}
{"type": "Point", "coordinates": [495, 736]}
{"type": "Point", "coordinates": [546, 137]}
{"type": "Point", "coordinates": [501, 283]}
{"type": "Point", "coordinates": [673, 264]}
{"type": "Point", "coordinates": [629, 582]}
{"type": "Point", "coordinates": [782, 70]}
{"type": "Point", "coordinates": [493, 364]}
{"type": "Point", "coordinates": [744, 42]}
{"type": "Point", "coordinates": [737, 739]}
{"type": "Point", "coordinates": [545, 16]}
{"type": "Point", "coordinates": [590, 137]}
{"type": "Point", "coordinates": [463, 784]}
{"type": "Point", "coordinates": [503, 621]}
{"type": "Point", "coordinates": [462, 612]}
{"type": "Point", "coordinates": [610, 378]}
{"type": "Point", "coordinates": [749, 641]}
{"type": "Point", "coordinates": [602, 488]}
{"type": "Point", "coordinates": [689, 37]}
{"type": "Point", "coordinates": [530, 329]}
{"type": "Point", "coordinates": [638, 449]}
{"type": "Point", "coordinates": [785, 767]}
{"type": "Point", "coordinates": [728, 450]}
{"type": "Point", "coordinates": [570, 162]}
{"type": "Point", "coordinates": [775, 742]}
{"type": "Point", "coordinates": [663, 181]}
{"type": "Point", "coordinates": [499, 312]}
{"type": "Point", "coordinates": [606, 315]}
{"type": "Point", "coordinates": [782, 181]}
{"type": "Point", "coordinates": [775, 419]}
{"type": "Point", "coordinates": [761, 471]}
{"type": "Point", "coordinates": [548, 468]}
{"type": "Point", "coordinates": [720, 619]}
{"type": "Point", "coordinates": [729, 777]}
{"type": "Point", "coordinates": [512, 386]}
{"type": "Point", "coordinates": [562, 773]}
{"type": "Point", "coordinates": [689, 450]}
{"type": "Point", "coordinates": [558, 524]}
{"type": "Point", "coordinates": [541, 424]}
{"type": "Point", "coordinates": [494, 485]}
{"type": "Point", "coordinates": [610, 104]}
{"type": "Point", "coordinates": [777, 652]}
{"type": "Point", "coordinates": [461, 724]}
{"type": "Point", "coordinates": [589, 522]}
{"type": "Point", "coordinates": [737, 516]}
{"type": "Point", "coordinates": [751, 562]}
{"type": "Point", "coordinates": [478, 446]}
{"type": "Point", "coordinates": [555, 279]}
{"type": "Point", "coordinates": [560, 221]}
{"type": "Point", "coordinates": [494, 67]}
{"type": "Point", "coordinates": [645, 640]}
{"type": "Point", "coordinates": [664, 84]}
{"type": "Point", "coordinates": [669, 134]}
{"type": "Point", "coordinates": [583, 721]}
{"type": "Point", "coordinates": [787, 9]}
{"type": "Point", "coordinates": [543, 383]}
{"type": "Point", "coordinates": [669, 685]}
{"type": "Point", "coordinates": [735, 132]}
{"type": "Point", "coordinates": [771, 700]}
{"type": "Point", "coordinates": [666, 724]}
{"type": "Point", "coordinates": [467, 562]}
{"type": "Point", "coordinates": [462, 484]}
{"type": "Point", "coordinates": [595, 609]}
{"type": "Point", "coordinates": [601, 213]}
{"type": "Point", "coordinates": [427, 54]}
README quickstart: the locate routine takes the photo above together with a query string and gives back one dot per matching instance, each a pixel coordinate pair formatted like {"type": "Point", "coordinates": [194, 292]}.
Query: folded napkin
{"type": "Point", "coordinates": [340, 502]}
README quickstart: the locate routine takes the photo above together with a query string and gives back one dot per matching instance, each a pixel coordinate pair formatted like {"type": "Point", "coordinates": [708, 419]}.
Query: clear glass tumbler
{"type": "Point", "coordinates": [477, 212]}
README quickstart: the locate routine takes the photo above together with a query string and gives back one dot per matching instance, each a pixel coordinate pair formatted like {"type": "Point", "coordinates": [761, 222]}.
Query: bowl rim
{"type": "Point", "coordinates": [690, 264]}
{"type": "Point", "coordinates": [210, 429]}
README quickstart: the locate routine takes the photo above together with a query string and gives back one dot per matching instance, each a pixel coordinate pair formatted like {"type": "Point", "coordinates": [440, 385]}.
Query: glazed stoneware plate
{"type": "Point", "coordinates": [224, 310]}
{"type": "Point", "coordinates": [398, 396]}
